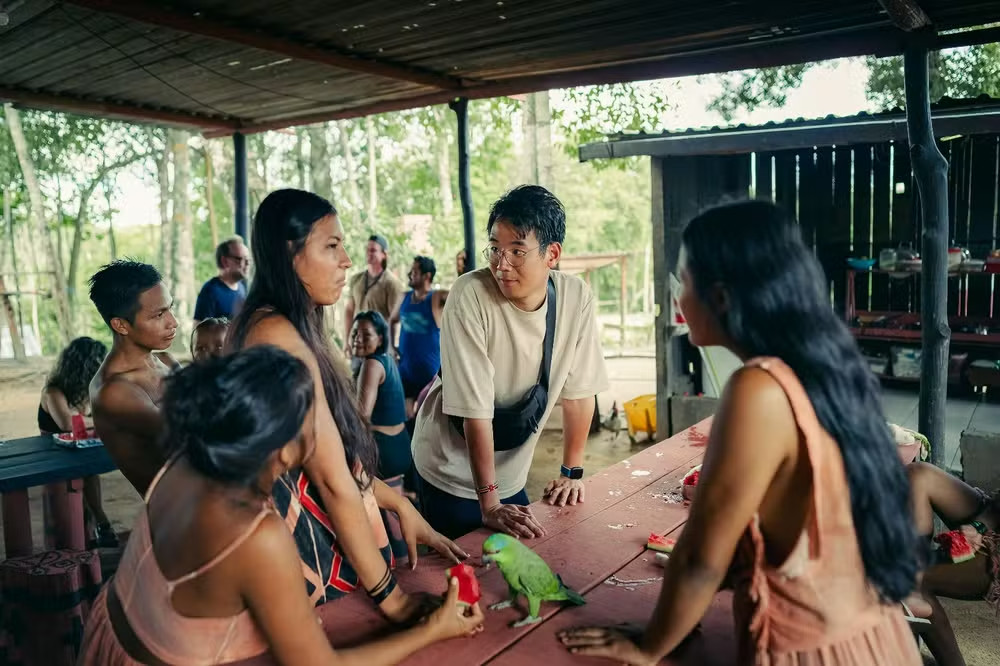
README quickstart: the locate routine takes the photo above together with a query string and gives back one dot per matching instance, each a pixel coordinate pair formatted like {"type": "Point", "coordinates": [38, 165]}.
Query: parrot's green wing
{"type": "Point", "coordinates": [528, 573]}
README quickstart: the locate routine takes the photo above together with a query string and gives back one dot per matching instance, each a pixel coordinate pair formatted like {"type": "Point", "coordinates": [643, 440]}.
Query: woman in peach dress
{"type": "Point", "coordinates": [802, 498]}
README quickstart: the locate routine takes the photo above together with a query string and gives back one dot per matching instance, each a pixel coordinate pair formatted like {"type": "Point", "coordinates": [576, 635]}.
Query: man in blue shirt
{"type": "Point", "coordinates": [223, 295]}
{"type": "Point", "coordinates": [419, 317]}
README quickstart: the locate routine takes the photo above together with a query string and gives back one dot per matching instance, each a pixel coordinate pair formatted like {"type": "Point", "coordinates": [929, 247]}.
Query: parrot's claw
{"type": "Point", "coordinates": [500, 605]}
{"type": "Point", "coordinates": [531, 619]}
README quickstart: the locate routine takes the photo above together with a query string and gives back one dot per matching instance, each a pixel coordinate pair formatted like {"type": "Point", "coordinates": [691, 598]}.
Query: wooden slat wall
{"type": "Point", "coordinates": [862, 230]}
{"type": "Point", "coordinates": [982, 217]}
{"type": "Point", "coordinates": [847, 203]}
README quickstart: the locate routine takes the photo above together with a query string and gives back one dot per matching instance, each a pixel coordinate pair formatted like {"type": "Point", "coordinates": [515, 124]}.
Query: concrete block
{"type": "Point", "coordinates": [981, 459]}
{"type": "Point", "coordinates": [686, 411]}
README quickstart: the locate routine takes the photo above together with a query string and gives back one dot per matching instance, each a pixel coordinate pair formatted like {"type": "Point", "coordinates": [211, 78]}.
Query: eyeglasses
{"type": "Point", "coordinates": [245, 261]}
{"type": "Point", "coordinates": [515, 257]}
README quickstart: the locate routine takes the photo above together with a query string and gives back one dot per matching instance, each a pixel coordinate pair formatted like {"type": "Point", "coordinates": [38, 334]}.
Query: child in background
{"type": "Point", "coordinates": [208, 338]}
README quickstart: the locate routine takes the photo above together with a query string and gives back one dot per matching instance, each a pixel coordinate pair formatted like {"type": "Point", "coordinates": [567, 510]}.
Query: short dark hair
{"type": "Point", "coordinates": [116, 287]}
{"type": "Point", "coordinates": [426, 265]}
{"type": "Point", "coordinates": [227, 415]}
{"type": "Point", "coordinates": [211, 322]}
{"type": "Point", "coordinates": [223, 249]}
{"type": "Point", "coordinates": [381, 327]}
{"type": "Point", "coordinates": [530, 208]}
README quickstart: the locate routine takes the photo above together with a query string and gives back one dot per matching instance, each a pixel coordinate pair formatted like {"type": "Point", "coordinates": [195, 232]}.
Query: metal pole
{"type": "Point", "coordinates": [240, 198]}
{"type": "Point", "coordinates": [461, 108]}
{"type": "Point", "coordinates": [930, 170]}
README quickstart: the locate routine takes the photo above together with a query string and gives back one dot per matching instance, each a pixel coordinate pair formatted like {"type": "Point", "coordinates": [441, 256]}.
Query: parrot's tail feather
{"type": "Point", "coordinates": [572, 595]}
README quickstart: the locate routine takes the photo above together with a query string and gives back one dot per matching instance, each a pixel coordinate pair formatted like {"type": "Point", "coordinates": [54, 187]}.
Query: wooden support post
{"type": "Point", "coordinates": [461, 108]}
{"type": "Point", "coordinates": [623, 305]}
{"type": "Point", "coordinates": [240, 195]}
{"type": "Point", "coordinates": [930, 170]}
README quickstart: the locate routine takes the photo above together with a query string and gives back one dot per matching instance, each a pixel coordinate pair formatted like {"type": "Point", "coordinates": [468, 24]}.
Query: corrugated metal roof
{"type": "Point", "coordinates": [951, 116]}
{"type": "Point", "coordinates": [258, 64]}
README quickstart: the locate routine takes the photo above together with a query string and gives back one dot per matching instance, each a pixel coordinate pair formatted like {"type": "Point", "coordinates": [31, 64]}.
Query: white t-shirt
{"type": "Point", "coordinates": [491, 354]}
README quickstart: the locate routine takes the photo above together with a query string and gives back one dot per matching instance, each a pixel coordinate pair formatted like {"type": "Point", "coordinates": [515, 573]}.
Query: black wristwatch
{"type": "Point", "coordinates": [571, 472]}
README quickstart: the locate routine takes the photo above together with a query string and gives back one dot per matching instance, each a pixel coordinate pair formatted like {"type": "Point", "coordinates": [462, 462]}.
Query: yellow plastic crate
{"type": "Point", "coordinates": [640, 414]}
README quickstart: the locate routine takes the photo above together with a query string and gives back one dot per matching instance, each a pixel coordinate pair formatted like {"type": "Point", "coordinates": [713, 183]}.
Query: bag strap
{"type": "Point", "coordinates": [550, 335]}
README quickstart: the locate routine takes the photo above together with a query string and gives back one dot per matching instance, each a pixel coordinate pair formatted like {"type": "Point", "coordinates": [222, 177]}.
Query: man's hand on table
{"type": "Point", "coordinates": [512, 519]}
{"type": "Point", "coordinates": [563, 491]}
{"type": "Point", "coordinates": [620, 643]}
{"type": "Point", "coordinates": [416, 530]}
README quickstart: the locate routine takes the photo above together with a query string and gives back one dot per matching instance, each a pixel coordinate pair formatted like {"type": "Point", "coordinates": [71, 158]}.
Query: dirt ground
{"type": "Point", "coordinates": [20, 386]}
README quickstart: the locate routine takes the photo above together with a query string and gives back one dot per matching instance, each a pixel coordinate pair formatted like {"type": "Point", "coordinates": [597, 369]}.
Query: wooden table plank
{"type": "Point", "coordinates": [585, 544]}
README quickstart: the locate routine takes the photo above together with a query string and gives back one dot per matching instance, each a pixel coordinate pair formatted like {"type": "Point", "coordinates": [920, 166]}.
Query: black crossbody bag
{"type": "Point", "coordinates": [514, 425]}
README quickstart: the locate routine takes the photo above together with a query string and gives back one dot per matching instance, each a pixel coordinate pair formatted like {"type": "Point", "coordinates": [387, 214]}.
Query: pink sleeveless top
{"type": "Point", "coordinates": [817, 607]}
{"type": "Point", "coordinates": [145, 597]}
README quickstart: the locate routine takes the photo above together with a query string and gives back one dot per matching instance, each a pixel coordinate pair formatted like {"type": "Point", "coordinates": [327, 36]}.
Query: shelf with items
{"type": "Point", "coordinates": [891, 339]}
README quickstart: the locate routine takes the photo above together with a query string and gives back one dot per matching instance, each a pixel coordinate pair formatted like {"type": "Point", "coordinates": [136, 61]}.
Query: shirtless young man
{"type": "Point", "coordinates": [125, 394]}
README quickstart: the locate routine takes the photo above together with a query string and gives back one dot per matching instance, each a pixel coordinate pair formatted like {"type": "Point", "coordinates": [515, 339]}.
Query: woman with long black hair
{"type": "Point", "coordinates": [802, 500]}
{"type": "Point", "coordinates": [332, 502]}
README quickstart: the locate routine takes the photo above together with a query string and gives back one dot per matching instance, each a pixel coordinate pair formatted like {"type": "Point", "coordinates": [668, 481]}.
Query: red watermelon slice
{"type": "Point", "coordinates": [956, 545]}
{"type": "Point", "coordinates": [468, 584]}
{"type": "Point", "coordinates": [660, 543]}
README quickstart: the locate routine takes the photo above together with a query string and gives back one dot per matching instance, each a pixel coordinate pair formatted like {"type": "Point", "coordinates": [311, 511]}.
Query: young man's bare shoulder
{"type": "Point", "coordinates": [117, 391]}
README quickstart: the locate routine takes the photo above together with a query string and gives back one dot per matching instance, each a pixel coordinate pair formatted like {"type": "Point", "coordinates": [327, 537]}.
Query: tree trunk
{"type": "Point", "coordinates": [37, 215]}
{"type": "Point", "coordinates": [536, 125]}
{"type": "Point", "coordinates": [166, 217]}
{"type": "Point", "coordinates": [16, 344]}
{"type": "Point", "coordinates": [184, 291]}
{"type": "Point", "coordinates": [372, 174]}
{"type": "Point", "coordinates": [354, 192]}
{"type": "Point", "coordinates": [210, 195]}
{"type": "Point", "coordinates": [300, 158]}
{"type": "Point", "coordinates": [443, 151]}
{"type": "Point", "coordinates": [112, 243]}
{"type": "Point", "coordinates": [319, 162]}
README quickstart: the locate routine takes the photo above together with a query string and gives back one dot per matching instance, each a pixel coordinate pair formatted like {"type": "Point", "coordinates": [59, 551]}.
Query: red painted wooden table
{"type": "Point", "coordinates": [598, 548]}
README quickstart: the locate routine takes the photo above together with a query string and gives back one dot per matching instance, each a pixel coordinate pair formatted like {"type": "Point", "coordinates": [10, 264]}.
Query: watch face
{"type": "Point", "coordinates": [573, 473]}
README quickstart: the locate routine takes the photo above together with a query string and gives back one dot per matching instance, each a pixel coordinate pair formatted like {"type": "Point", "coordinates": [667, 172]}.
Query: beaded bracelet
{"type": "Point", "coordinates": [485, 490]}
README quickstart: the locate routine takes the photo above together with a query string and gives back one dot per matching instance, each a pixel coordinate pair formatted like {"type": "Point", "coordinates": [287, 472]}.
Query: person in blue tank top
{"type": "Point", "coordinates": [419, 319]}
{"type": "Point", "coordinates": [381, 402]}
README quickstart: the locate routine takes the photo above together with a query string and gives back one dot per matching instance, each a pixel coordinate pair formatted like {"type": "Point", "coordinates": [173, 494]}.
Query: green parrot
{"type": "Point", "coordinates": [526, 573]}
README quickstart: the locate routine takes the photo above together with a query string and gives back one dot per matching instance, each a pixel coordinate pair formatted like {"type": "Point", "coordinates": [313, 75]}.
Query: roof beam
{"type": "Point", "coordinates": [881, 42]}
{"type": "Point", "coordinates": [199, 24]}
{"type": "Point", "coordinates": [30, 98]}
{"type": "Point", "coordinates": [907, 15]}
{"type": "Point", "coordinates": [845, 132]}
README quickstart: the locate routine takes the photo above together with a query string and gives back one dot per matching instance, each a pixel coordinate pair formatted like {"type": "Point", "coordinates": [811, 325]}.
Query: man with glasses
{"type": "Point", "coordinates": [472, 468]}
{"type": "Point", "coordinates": [223, 295]}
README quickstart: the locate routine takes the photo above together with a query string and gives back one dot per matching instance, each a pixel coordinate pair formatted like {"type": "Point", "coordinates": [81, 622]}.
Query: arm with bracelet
{"type": "Point", "coordinates": [587, 378]}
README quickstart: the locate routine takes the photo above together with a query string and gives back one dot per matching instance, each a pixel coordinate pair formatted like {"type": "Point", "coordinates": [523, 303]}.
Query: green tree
{"type": "Point", "coordinates": [961, 73]}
